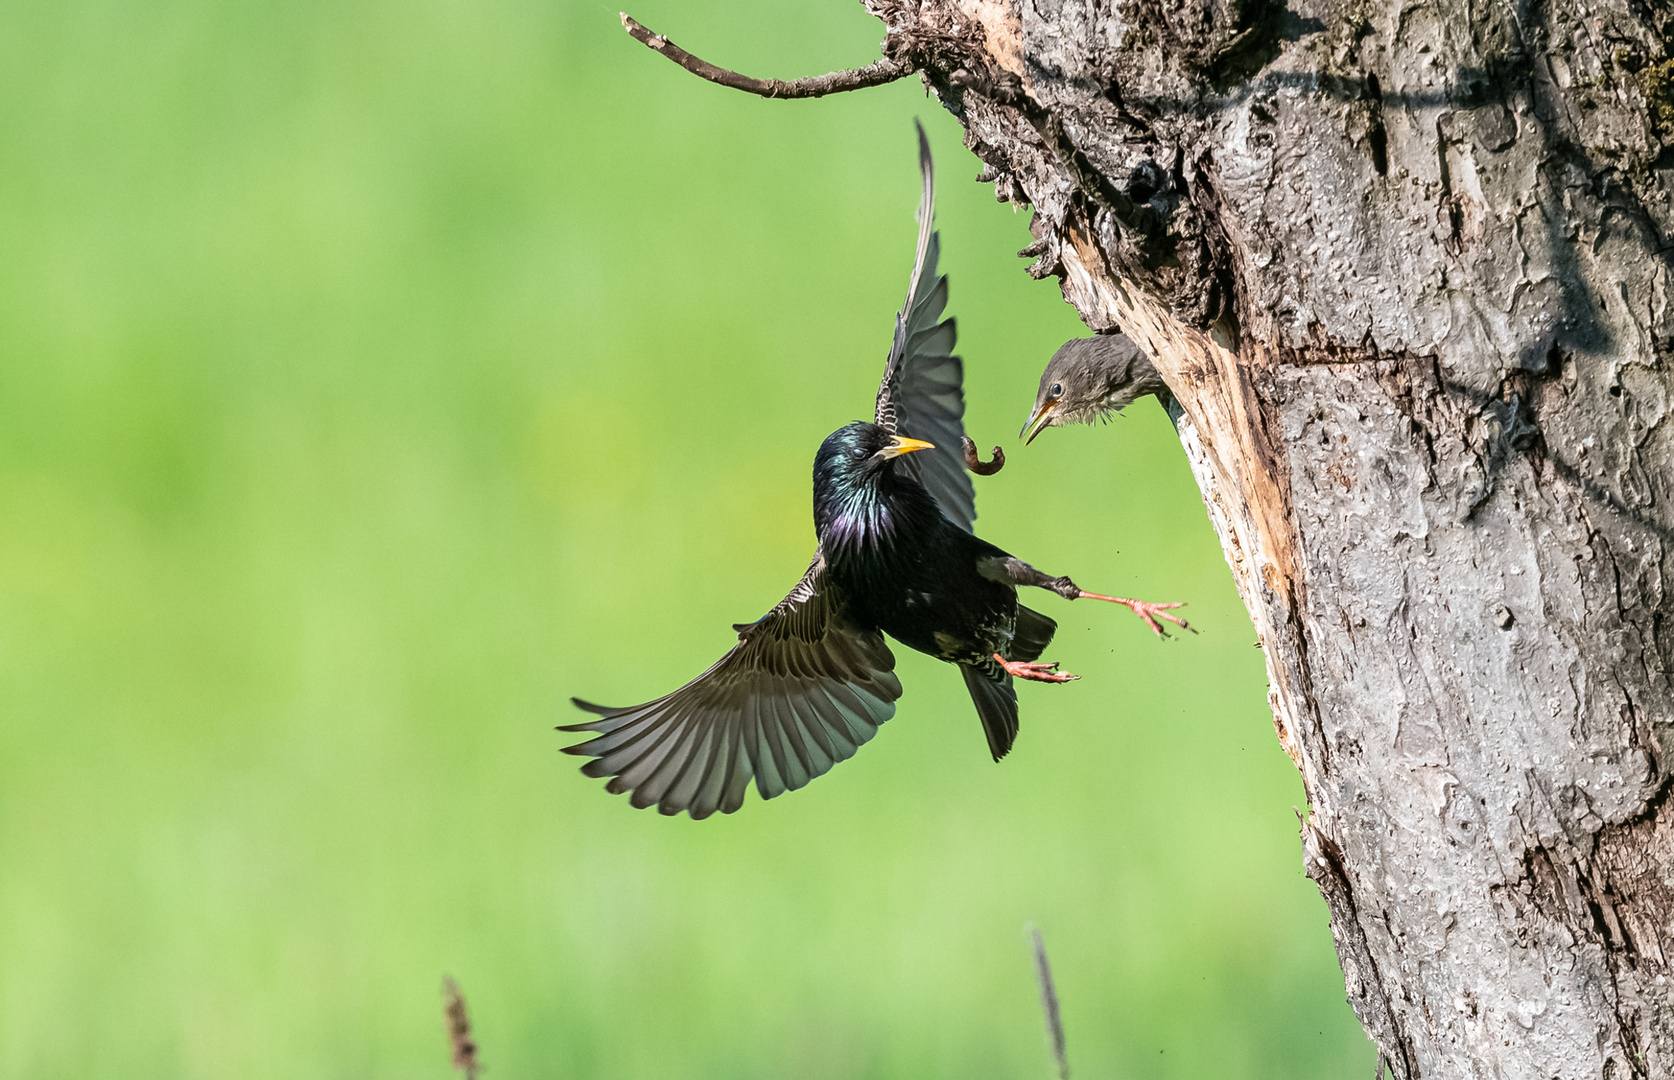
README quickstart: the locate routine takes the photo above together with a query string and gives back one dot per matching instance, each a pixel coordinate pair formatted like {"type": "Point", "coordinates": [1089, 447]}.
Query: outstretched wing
{"type": "Point", "coordinates": [801, 690]}
{"type": "Point", "coordinates": [921, 396]}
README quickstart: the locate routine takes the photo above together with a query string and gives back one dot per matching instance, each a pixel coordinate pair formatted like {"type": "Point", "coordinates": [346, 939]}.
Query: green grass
{"type": "Point", "coordinates": [374, 377]}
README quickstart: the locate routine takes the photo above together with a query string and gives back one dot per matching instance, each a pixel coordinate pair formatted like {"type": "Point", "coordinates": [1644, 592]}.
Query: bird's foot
{"type": "Point", "coordinates": [974, 462]}
{"type": "Point", "coordinates": [1019, 669]}
{"type": "Point", "coordinates": [1145, 610]}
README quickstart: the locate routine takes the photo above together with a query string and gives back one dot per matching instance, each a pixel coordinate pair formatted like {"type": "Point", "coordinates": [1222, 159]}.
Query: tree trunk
{"type": "Point", "coordinates": [1405, 267]}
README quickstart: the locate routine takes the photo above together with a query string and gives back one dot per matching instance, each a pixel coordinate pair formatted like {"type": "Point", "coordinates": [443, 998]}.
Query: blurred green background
{"type": "Point", "coordinates": [375, 376]}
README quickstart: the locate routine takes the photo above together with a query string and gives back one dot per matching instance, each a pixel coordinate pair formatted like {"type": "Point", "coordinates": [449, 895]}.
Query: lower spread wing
{"type": "Point", "coordinates": [801, 690]}
{"type": "Point", "coordinates": [922, 394]}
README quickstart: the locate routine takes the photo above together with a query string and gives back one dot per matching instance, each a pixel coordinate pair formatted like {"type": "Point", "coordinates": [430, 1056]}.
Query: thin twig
{"type": "Point", "coordinates": [874, 74]}
{"type": "Point", "coordinates": [1049, 1004]}
{"type": "Point", "coordinates": [459, 1029]}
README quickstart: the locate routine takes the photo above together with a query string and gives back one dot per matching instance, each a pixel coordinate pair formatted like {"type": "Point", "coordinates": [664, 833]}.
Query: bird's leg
{"type": "Point", "coordinates": [1144, 609]}
{"type": "Point", "coordinates": [974, 462]}
{"type": "Point", "coordinates": [1034, 672]}
{"type": "Point", "coordinates": [1019, 572]}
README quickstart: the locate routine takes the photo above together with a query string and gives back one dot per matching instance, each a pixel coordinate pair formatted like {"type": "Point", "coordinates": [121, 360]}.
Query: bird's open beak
{"type": "Point", "coordinates": [1038, 421]}
{"type": "Point", "coordinates": [900, 444]}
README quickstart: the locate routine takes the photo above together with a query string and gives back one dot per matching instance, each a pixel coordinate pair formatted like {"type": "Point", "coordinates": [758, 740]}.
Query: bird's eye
{"type": "Point", "coordinates": [858, 453]}
{"type": "Point", "coordinates": [1057, 390]}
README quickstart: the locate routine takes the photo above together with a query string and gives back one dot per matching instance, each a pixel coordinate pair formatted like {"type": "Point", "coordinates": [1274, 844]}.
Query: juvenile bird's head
{"type": "Point", "coordinates": [854, 480]}
{"type": "Point", "coordinates": [1091, 379]}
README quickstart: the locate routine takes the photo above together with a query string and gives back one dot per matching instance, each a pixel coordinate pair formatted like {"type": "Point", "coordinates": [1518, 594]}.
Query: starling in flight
{"type": "Point", "coordinates": [1092, 379]}
{"type": "Point", "coordinates": [812, 679]}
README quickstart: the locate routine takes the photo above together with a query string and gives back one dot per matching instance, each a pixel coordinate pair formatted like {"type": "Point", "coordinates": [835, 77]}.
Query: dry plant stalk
{"type": "Point", "coordinates": [1049, 1003]}
{"type": "Point", "coordinates": [459, 1029]}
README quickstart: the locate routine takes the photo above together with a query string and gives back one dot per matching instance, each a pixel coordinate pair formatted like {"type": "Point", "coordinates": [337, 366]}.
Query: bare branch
{"type": "Point", "coordinates": [874, 74]}
{"type": "Point", "coordinates": [459, 1029]}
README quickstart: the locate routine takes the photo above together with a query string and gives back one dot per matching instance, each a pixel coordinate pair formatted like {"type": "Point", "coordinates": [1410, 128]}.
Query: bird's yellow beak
{"type": "Point", "coordinates": [900, 444]}
{"type": "Point", "coordinates": [1038, 421]}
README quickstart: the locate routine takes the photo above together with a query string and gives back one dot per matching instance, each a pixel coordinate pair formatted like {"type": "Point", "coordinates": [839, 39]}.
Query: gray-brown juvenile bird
{"type": "Point", "coordinates": [812, 679]}
{"type": "Point", "coordinates": [1092, 379]}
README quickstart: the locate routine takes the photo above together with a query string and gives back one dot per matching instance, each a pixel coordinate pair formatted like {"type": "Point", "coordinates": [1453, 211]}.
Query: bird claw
{"type": "Point", "coordinates": [1145, 610]}
{"type": "Point", "coordinates": [974, 462]}
{"type": "Point", "coordinates": [1019, 669]}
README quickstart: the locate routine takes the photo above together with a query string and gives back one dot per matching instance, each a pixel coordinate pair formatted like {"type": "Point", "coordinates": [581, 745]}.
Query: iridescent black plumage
{"type": "Point", "coordinates": [919, 577]}
{"type": "Point", "coordinates": [812, 679]}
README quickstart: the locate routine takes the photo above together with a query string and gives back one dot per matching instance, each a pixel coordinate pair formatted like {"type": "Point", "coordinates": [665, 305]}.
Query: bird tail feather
{"type": "Point", "coordinates": [996, 706]}
{"type": "Point", "coordinates": [1032, 634]}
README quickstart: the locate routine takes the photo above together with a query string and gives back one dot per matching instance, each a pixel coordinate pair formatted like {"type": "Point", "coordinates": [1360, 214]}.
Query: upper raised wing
{"type": "Point", "coordinates": [922, 394]}
{"type": "Point", "coordinates": [801, 690]}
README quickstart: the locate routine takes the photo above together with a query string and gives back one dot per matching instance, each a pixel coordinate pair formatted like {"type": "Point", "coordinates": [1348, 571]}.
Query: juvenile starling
{"type": "Point", "coordinates": [1092, 379]}
{"type": "Point", "coordinates": [812, 679]}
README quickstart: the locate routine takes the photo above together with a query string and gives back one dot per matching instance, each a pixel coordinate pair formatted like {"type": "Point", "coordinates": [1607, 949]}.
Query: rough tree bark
{"type": "Point", "coordinates": [1405, 266]}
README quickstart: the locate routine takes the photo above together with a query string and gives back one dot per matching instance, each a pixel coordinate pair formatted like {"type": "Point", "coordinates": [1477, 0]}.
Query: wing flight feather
{"type": "Point", "coordinates": [922, 393]}
{"type": "Point", "coordinates": [802, 690]}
